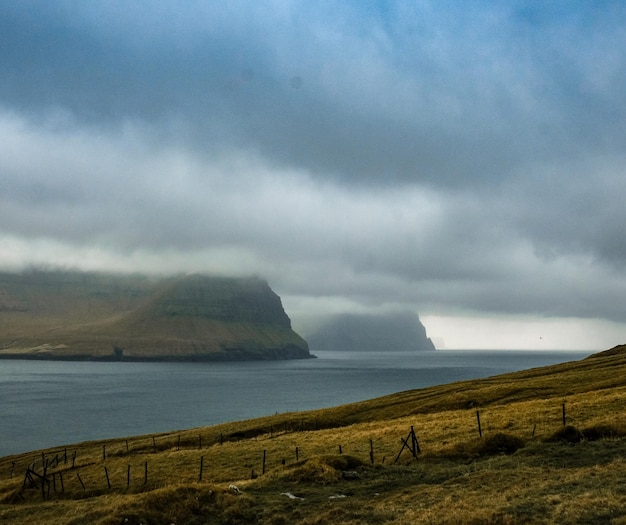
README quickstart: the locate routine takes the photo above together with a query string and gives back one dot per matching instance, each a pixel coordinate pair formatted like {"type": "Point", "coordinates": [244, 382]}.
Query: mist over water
{"type": "Point", "coordinates": [51, 403]}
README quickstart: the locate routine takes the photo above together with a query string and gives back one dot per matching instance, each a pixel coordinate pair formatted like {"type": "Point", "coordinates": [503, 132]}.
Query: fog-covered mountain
{"type": "Point", "coordinates": [74, 315]}
{"type": "Point", "coordinates": [398, 331]}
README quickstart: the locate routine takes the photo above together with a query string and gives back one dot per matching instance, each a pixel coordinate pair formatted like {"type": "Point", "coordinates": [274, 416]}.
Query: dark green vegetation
{"type": "Point", "coordinates": [67, 315]}
{"type": "Point", "coordinates": [552, 450]}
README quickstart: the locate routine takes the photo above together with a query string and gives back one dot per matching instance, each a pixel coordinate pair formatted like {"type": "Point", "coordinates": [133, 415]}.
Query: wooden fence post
{"type": "Point", "coordinates": [106, 473]}
{"type": "Point", "coordinates": [43, 486]}
{"type": "Point", "coordinates": [201, 467]}
{"type": "Point", "coordinates": [145, 475]}
{"type": "Point", "coordinates": [563, 414]}
{"type": "Point", "coordinates": [128, 477]}
{"type": "Point", "coordinates": [480, 431]}
{"type": "Point", "coordinates": [81, 481]}
{"type": "Point", "coordinates": [263, 469]}
{"type": "Point", "coordinates": [416, 445]}
{"type": "Point", "coordinates": [371, 452]}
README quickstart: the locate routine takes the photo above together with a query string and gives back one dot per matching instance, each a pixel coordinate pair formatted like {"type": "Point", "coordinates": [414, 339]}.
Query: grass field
{"type": "Point", "coordinates": [550, 448]}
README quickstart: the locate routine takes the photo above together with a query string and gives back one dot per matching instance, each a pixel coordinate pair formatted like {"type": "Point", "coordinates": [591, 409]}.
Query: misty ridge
{"type": "Point", "coordinates": [400, 331]}
{"type": "Point", "coordinates": [78, 315]}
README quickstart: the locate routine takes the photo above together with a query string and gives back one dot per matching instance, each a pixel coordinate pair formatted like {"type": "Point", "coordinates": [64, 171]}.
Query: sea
{"type": "Point", "coordinates": [47, 404]}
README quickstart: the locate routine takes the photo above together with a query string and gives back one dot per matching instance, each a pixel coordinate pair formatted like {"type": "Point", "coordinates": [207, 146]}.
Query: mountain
{"type": "Point", "coordinates": [399, 331]}
{"type": "Point", "coordinates": [72, 315]}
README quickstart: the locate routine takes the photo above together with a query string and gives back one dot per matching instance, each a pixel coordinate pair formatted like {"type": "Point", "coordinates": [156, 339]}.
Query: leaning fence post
{"type": "Point", "coordinates": [563, 414]}
{"type": "Point", "coordinates": [106, 473]}
{"type": "Point", "coordinates": [44, 480]}
{"type": "Point", "coordinates": [263, 470]}
{"type": "Point", "coordinates": [480, 431]}
{"type": "Point", "coordinates": [201, 466]}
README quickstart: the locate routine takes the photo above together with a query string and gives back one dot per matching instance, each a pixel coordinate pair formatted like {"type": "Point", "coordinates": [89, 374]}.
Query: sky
{"type": "Point", "coordinates": [460, 159]}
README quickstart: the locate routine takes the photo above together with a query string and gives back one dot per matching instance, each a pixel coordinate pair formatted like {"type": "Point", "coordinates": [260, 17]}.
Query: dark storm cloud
{"type": "Point", "coordinates": [448, 158]}
{"type": "Point", "coordinates": [447, 96]}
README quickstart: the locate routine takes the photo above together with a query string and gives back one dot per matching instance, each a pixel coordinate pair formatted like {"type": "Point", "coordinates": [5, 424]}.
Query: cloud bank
{"type": "Point", "coordinates": [462, 161]}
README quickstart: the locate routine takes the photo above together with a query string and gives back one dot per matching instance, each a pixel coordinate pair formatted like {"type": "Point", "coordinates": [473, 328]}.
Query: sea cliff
{"type": "Point", "coordinates": [395, 331]}
{"type": "Point", "coordinates": [92, 316]}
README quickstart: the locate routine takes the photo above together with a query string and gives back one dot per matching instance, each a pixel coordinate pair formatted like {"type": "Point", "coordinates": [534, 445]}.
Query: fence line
{"type": "Point", "coordinates": [45, 473]}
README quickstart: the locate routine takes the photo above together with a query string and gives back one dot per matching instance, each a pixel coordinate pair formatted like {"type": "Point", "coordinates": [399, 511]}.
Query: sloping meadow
{"type": "Point", "coordinates": [540, 446]}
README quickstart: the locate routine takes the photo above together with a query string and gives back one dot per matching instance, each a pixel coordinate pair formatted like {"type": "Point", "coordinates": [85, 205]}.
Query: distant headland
{"type": "Point", "coordinates": [400, 331]}
{"type": "Point", "coordinates": [94, 316]}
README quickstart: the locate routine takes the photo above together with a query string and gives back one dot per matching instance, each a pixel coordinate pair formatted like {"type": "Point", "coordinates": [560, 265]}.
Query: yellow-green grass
{"type": "Point", "coordinates": [519, 471]}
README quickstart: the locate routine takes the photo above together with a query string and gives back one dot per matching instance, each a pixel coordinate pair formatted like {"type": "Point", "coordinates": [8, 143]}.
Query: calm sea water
{"type": "Point", "coordinates": [50, 403]}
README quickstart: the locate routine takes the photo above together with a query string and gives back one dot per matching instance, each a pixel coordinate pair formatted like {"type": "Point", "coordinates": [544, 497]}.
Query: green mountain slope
{"type": "Point", "coordinates": [63, 315]}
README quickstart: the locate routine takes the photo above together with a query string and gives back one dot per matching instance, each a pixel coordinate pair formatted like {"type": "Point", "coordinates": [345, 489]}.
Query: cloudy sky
{"type": "Point", "coordinates": [465, 160]}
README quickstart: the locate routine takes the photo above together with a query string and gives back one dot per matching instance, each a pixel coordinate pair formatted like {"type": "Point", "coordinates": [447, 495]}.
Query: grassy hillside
{"type": "Point", "coordinates": [339, 465]}
{"type": "Point", "coordinates": [78, 315]}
